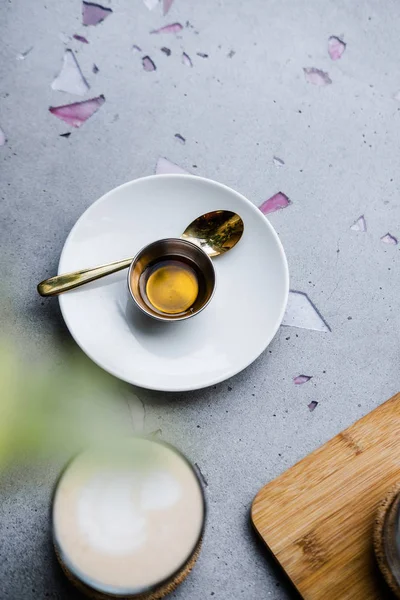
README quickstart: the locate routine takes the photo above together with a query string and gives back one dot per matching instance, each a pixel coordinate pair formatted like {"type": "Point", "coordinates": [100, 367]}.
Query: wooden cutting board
{"type": "Point", "coordinates": [317, 518]}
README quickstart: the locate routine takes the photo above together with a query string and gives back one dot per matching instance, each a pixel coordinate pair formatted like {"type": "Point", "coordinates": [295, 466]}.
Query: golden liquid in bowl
{"type": "Point", "coordinates": [170, 286]}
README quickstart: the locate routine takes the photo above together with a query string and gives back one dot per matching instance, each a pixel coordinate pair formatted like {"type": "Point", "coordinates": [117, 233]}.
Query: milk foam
{"type": "Point", "coordinates": [160, 490]}
{"type": "Point", "coordinates": [107, 514]}
{"type": "Point", "coordinates": [129, 519]}
{"type": "Point", "coordinates": [110, 516]}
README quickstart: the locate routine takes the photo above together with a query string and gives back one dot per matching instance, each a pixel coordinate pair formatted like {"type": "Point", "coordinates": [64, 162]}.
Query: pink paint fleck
{"type": "Point", "coordinates": [77, 113]}
{"type": "Point", "coordinates": [336, 47]}
{"type": "Point", "coordinates": [80, 38]}
{"type": "Point", "coordinates": [360, 224]}
{"type": "Point", "coordinates": [93, 14]}
{"type": "Point", "coordinates": [186, 60]}
{"type": "Point", "coordinates": [316, 76]}
{"type": "Point", "coordinates": [313, 405]}
{"type": "Point", "coordinates": [300, 379]}
{"type": "Point", "coordinates": [148, 64]}
{"type": "Point", "coordinates": [172, 28]}
{"type": "Point", "coordinates": [167, 6]}
{"type": "Point", "coordinates": [276, 202]}
{"type": "Point", "coordinates": [389, 239]}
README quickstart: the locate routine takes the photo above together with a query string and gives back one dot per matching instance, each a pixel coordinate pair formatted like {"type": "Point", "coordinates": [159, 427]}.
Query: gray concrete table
{"type": "Point", "coordinates": [245, 102]}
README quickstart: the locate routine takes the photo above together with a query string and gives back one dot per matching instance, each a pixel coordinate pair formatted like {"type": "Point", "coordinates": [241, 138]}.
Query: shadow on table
{"type": "Point", "coordinates": [62, 585]}
{"type": "Point", "coordinates": [285, 583]}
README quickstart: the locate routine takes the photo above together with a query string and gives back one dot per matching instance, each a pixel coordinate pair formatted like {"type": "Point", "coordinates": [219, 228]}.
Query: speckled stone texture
{"type": "Point", "coordinates": [340, 146]}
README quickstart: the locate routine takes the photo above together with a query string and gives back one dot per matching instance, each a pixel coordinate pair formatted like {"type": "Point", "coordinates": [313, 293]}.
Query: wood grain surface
{"type": "Point", "coordinates": [317, 518]}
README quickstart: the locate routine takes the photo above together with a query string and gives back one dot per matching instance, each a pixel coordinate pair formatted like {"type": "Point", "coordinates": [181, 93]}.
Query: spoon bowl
{"type": "Point", "coordinates": [215, 232]}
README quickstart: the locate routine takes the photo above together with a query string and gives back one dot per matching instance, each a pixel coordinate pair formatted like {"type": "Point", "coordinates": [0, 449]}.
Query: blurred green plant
{"type": "Point", "coordinates": [49, 409]}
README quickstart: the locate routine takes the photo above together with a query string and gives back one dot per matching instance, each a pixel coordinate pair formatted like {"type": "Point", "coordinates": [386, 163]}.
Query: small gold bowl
{"type": "Point", "coordinates": [172, 249]}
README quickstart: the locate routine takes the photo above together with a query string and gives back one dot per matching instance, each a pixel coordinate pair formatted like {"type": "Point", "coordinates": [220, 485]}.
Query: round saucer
{"type": "Point", "coordinates": [240, 321]}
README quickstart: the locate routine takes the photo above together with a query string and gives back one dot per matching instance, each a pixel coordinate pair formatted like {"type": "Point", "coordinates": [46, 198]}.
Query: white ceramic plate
{"type": "Point", "coordinates": [239, 323]}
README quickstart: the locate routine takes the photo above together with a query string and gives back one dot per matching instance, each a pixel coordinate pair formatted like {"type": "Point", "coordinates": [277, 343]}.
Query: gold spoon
{"type": "Point", "coordinates": [215, 232]}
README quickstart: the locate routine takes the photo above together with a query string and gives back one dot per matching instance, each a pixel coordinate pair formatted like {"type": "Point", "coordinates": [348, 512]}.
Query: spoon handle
{"type": "Point", "coordinates": [69, 281]}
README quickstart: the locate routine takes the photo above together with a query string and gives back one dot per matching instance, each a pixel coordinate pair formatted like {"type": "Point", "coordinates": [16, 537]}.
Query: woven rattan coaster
{"type": "Point", "coordinates": [379, 539]}
{"type": "Point", "coordinates": [155, 594]}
